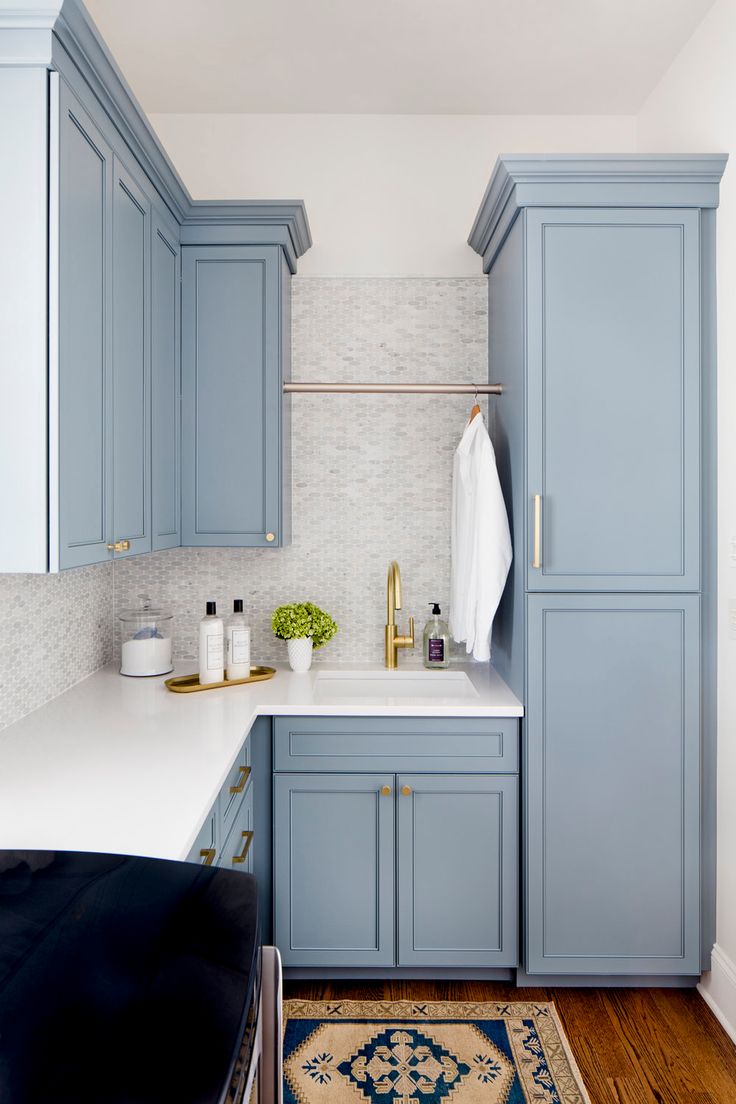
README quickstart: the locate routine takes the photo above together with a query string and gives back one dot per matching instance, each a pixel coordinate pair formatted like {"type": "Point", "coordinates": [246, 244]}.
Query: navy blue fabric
{"type": "Point", "coordinates": [122, 980]}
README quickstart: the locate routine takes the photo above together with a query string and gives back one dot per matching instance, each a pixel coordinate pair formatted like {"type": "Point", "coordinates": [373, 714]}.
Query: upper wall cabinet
{"type": "Point", "coordinates": [93, 223]}
{"type": "Point", "coordinates": [614, 383]}
{"type": "Point", "coordinates": [231, 400]}
{"type": "Point", "coordinates": [165, 382]}
{"type": "Point", "coordinates": [81, 361]}
{"type": "Point", "coordinates": [102, 364]}
{"type": "Point", "coordinates": [131, 362]}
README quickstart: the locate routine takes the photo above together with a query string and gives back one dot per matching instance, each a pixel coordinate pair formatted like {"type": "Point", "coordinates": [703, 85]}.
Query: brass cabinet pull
{"type": "Point", "coordinates": [119, 546]}
{"type": "Point", "coordinates": [386, 791]}
{"type": "Point", "coordinates": [270, 537]}
{"type": "Point", "coordinates": [537, 561]}
{"type": "Point", "coordinates": [208, 854]}
{"type": "Point", "coordinates": [244, 776]}
{"type": "Point", "coordinates": [406, 790]}
{"type": "Point", "coordinates": [248, 839]}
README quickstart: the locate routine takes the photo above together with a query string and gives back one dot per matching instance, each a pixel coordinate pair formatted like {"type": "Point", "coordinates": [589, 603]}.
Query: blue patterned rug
{"type": "Point", "coordinates": [404, 1052]}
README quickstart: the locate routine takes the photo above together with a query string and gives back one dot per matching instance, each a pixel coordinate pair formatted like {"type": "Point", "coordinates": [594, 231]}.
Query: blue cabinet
{"type": "Point", "coordinates": [102, 431]}
{"type": "Point", "coordinates": [131, 361]}
{"type": "Point", "coordinates": [232, 368]}
{"type": "Point", "coordinates": [165, 383]}
{"type": "Point", "coordinates": [90, 283]}
{"type": "Point", "coordinates": [601, 330]}
{"type": "Point", "coordinates": [457, 875]}
{"type": "Point", "coordinates": [613, 784]}
{"type": "Point", "coordinates": [407, 870]}
{"type": "Point", "coordinates": [613, 363]}
{"type": "Point", "coordinates": [81, 439]}
{"type": "Point", "coordinates": [333, 861]}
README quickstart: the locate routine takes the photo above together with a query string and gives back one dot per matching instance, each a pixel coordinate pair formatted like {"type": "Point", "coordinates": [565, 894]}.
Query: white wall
{"type": "Point", "coordinates": [386, 195]}
{"type": "Point", "coordinates": [693, 108]}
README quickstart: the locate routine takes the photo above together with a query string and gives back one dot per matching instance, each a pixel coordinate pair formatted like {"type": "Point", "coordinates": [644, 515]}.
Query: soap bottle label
{"type": "Point", "coordinates": [436, 650]}
{"type": "Point", "coordinates": [239, 646]}
{"type": "Point", "coordinates": [214, 652]}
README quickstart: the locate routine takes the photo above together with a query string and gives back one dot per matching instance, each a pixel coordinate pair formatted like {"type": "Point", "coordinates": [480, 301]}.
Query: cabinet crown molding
{"type": "Point", "coordinates": [61, 35]}
{"type": "Point", "coordinates": [585, 180]}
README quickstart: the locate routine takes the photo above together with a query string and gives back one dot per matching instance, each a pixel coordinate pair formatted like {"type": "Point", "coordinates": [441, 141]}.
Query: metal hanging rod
{"type": "Point", "coordinates": [392, 388]}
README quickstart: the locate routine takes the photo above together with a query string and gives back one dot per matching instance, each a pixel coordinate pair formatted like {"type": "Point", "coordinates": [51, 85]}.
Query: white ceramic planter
{"type": "Point", "coordinates": [300, 654]}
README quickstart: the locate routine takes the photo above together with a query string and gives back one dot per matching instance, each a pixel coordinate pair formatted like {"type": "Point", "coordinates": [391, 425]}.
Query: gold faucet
{"type": "Point", "coordinates": [393, 603]}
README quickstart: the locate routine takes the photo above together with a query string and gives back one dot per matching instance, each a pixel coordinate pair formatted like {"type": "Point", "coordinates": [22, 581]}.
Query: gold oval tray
{"type": "Point", "coordinates": [190, 684]}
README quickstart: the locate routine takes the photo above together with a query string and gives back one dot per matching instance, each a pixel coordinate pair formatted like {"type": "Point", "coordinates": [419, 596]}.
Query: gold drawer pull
{"type": "Point", "coordinates": [537, 561]}
{"type": "Point", "coordinates": [208, 854]}
{"type": "Point", "coordinates": [406, 790]}
{"type": "Point", "coordinates": [248, 838]}
{"type": "Point", "coordinates": [386, 791]}
{"type": "Point", "coordinates": [119, 546]}
{"type": "Point", "coordinates": [244, 776]}
{"type": "Point", "coordinates": [270, 537]}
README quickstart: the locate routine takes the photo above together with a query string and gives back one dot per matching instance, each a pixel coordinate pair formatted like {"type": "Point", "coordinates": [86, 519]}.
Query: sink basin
{"type": "Point", "coordinates": [412, 685]}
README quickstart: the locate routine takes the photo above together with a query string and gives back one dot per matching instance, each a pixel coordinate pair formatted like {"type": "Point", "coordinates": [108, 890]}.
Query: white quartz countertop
{"type": "Point", "coordinates": [123, 765]}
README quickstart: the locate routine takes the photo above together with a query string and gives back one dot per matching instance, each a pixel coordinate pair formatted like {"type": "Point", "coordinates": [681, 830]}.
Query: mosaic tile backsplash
{"type": "Point", "coordinates": [372, 475]}
{"type": "Point", "coordinates": [54, 630]}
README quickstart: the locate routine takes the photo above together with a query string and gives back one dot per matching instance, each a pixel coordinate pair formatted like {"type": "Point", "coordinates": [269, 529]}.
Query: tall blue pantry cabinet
{"type": "Point", "coordinates": [601, 330]}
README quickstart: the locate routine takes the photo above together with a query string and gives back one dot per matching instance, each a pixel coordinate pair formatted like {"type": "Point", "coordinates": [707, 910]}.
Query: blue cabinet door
{"type": "Point", "coordinates": [612, 783]}
{"type": "Point", "coordinates": [231, 396]}
{"type": "Point", "coordinates": [165, 383]}
{"type": "Point", "coordinates": [333, 855]}
{"type": "Point", "coordinates": [613, 302]}
{"type": "Point", "coordinates": [80, 441]}
{"type": "Point", "coordinates": [131, 353]}
{"type": "Point", "coordinates": [458, 870]}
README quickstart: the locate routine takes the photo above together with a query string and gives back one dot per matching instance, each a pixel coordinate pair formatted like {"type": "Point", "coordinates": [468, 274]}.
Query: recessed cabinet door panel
{"type": "Point", "coordinates": [165, 384]}
{"type": "Point", "coordinates": [334, 869]}
{"type": "Point", "coordinates": [457, 876]}
{"type": "Point", "coordinates": [84, 367]}
{"type": "Point", "coordinates": [612, 784]}
{"type": "Point", "coordinates": [231, 400]}
{"type": "Point", "coordinates": [131, 363]}
{"type": "Point", "coordinates": [614, 399]}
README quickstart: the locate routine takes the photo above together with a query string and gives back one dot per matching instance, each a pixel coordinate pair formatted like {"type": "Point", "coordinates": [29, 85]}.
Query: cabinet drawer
{"type": "Point", "coordinates": [234, 788]}
{"type": "Point", "coordinates": [475, 744]}
{"type": "Point", "coordinates": [204, 848]}
{"type": "Point", "coordinates": [237, 851]}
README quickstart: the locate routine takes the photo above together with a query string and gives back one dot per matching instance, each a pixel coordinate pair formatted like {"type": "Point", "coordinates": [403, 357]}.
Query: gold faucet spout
{"type": "Point", "coordinates": [393, 641]}
{"type": "Point", "coordinates": [393, 592]}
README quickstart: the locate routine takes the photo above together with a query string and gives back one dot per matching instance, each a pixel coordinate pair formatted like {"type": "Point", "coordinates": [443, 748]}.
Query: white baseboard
{"type": "Point", "coordinates": [718, 990]}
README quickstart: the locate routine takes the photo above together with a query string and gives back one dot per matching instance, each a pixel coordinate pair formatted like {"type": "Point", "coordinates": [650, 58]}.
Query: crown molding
{"type": "Point", "coordinates": [598, 180]}
{"type": "Point", "coordinates": [62, 36]}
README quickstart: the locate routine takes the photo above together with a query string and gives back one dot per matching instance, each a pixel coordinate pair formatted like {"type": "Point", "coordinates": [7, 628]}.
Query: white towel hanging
{"type": "Point", "coordinates": [481, 541]}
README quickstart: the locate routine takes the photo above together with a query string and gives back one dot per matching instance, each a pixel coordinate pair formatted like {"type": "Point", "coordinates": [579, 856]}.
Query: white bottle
{"type": "Point", "coordinates": [237, 644]}
{"type": "Point", "coordinates": [211, 647]}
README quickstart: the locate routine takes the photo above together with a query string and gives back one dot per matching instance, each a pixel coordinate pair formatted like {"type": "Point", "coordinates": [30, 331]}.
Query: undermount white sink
{"type": "Point", "coordinates": [448, 685]}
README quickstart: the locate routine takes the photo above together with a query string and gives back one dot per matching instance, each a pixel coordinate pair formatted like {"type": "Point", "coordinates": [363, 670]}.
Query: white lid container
{"type": "Point", "coordinates": [146, 640]}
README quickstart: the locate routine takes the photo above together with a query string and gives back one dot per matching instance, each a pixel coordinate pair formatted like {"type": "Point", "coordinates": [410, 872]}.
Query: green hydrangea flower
{"type": "Point", "coordinates": [303, 619]}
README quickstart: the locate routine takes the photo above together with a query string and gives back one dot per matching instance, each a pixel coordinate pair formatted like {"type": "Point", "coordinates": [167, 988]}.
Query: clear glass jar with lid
{"type": "Point", "coordinates": [146, 640]}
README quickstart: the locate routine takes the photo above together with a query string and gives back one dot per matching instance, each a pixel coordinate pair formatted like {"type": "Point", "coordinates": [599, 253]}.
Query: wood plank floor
{"type": "Point", "coordinates": [633, 1046]}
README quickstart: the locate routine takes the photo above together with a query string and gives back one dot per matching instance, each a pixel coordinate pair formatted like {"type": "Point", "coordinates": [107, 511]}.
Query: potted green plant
{"type": "Point", "coordinates": [303, 626]}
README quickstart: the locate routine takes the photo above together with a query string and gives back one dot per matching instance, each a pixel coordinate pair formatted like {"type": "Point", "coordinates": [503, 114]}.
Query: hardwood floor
{"type": "Point", "coordinates": [633, 1046]}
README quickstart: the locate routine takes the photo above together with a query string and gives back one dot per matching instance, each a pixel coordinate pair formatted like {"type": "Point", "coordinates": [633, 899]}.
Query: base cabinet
{"type": "Point", "coordinates": [457, 870]}
{"type": "Point", "coordinates": [396, 870]}
{"type": "Point", "coordinates": [612, 785]}
{"type": "Point", "coordinates": [334, 869]}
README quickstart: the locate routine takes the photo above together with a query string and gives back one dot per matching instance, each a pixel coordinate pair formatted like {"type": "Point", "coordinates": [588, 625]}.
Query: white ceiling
{"type": "Point", "coordinates": [396, 56]}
